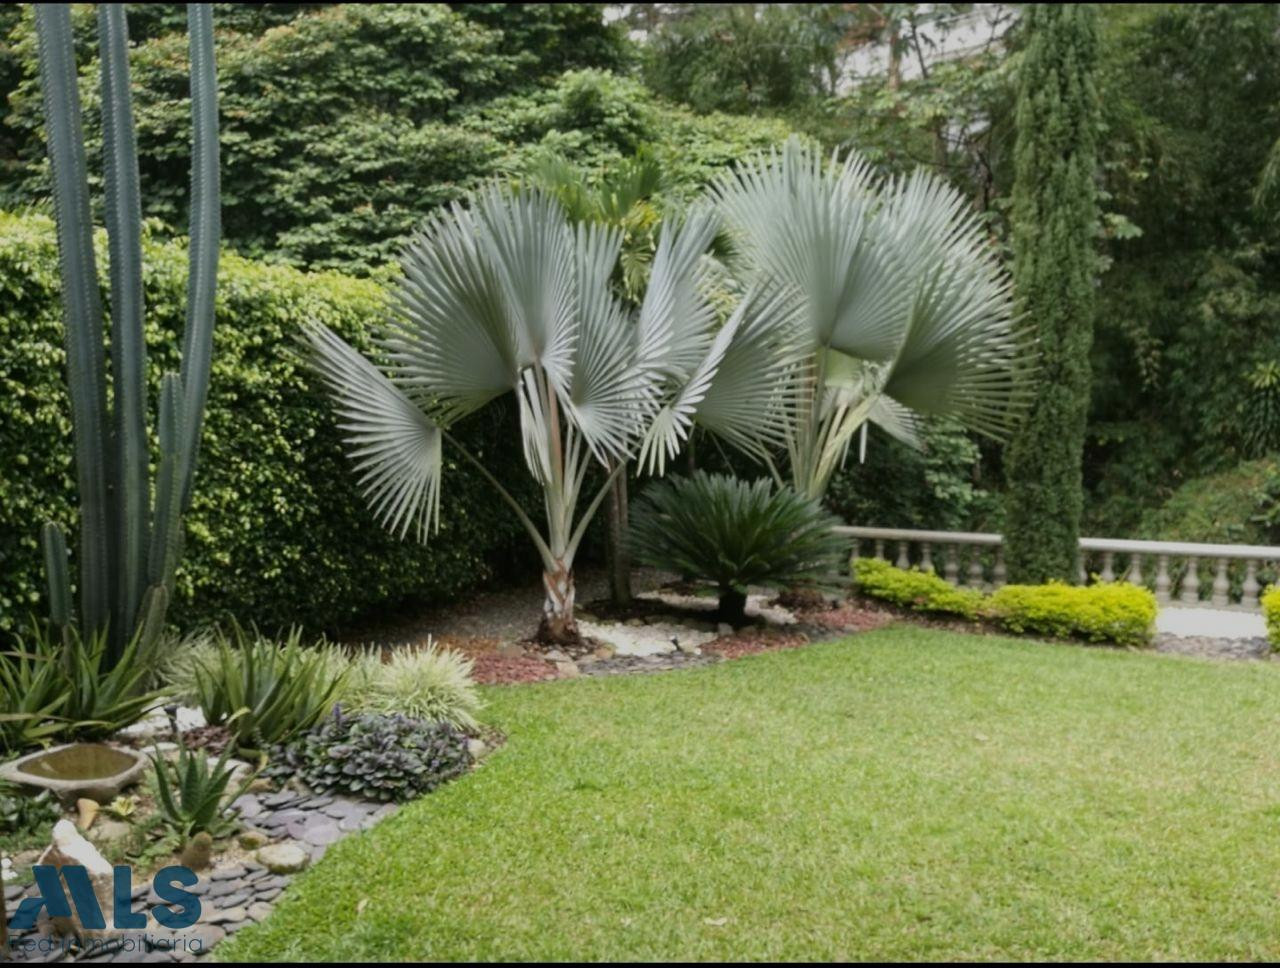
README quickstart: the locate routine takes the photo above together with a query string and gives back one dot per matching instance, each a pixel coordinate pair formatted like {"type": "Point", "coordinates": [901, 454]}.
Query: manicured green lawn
{"type": "Point", "coordinates": [903, 794]}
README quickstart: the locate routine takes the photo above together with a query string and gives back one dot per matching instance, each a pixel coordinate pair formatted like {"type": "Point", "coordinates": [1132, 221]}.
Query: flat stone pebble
{"type": "Point", "coordinates": [237, 913]}
{"type": "Point", "coordinates": [228, 873]}
{"type": "Point", "coordinates": [248, 805]}
{"type": "Point", "coordinates": [259, 910]}
{"type": "Point", "coordinates": [321, 834]}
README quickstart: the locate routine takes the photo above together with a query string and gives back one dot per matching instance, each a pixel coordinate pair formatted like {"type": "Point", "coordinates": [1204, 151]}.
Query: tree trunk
{"type": "Point", "coordinates": [619, 556]}
{"type": "Point", "coordinates": [558, 626]}
{"type": "Point", "coordinates": [733, 607]}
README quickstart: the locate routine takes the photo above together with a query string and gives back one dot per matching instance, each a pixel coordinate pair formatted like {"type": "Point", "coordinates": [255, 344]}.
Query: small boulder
{"type": "Point", "coordinates": [478, 748]}
{"type": "Point", "coordinates": [567, 669]}
{"type": "Point", "coordinates": [86, 811]}
{"type": "Point", "coordinates": [286, 857]}
{"type": "Point", "coordinates": [252, 838]}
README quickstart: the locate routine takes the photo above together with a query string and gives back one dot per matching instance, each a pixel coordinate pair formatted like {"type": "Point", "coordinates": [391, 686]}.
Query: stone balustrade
{"type": "Point", "coordinates": [1179, 572]}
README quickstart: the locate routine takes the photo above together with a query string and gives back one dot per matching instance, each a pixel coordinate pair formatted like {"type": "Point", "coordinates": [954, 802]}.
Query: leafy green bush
{"type": "Point", "coordinates": [374, 756]}
{"type": "Point", "coordinates": [922, 591]}
{"type": "Point", "coordinates": [1105, 612]}
{"type": "Point", "coordinates": [278, 532]}
{"type": "Point", "coordinates": [265, 693]}
{"type": "Point", "coordinates": [734, 533]}
{"type": "Point", "coordinates": [424, 684]}
{"type": "Point", "coordinates": [192, 796]}
{"type": "Point", "coordinates": [1271, 612]}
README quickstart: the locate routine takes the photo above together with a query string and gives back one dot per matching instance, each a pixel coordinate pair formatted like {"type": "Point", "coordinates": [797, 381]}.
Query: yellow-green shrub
{"type": "Point", "coordinates": [1107, 612]}
{"type": "Point", "coordinates": [1271, 612]}
{"type": "Point", "coordinates": [920, 590]}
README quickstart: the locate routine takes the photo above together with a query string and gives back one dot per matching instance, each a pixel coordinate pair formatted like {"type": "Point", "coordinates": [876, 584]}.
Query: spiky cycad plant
{"type": "Point", "coordinates": [906, 308]}
{"type": "Point", "coordinates": [508, 295]}
{"type": "Point", "coordinates": [130, 531]}
{"type": "Point", "coordinates": [736, 533]}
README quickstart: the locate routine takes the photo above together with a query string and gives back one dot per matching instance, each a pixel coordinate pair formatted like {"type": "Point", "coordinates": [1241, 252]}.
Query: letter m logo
{"type": "Point", "coordinates": [53, 899]}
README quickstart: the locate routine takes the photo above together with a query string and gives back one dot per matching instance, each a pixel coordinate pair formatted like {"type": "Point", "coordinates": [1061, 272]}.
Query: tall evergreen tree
{"type": "Point", "coordinates": [1054, 228]}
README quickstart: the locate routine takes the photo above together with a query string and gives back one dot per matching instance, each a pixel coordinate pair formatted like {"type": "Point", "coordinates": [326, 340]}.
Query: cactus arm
{"type": "Point", "coordinates": [206, 225]}
{"type": "Point", "coordinates": [128, 345]}
{"type": "Point", "coordinates": [55, 570]}
{"type": "Point", "coordinates": [166, 522]}
{"type": "Point", "coordinates": [81, 305]}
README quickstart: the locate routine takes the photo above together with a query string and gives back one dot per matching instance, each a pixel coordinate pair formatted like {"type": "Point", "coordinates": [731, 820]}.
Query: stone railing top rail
{"type": "Point", "coordinates": [1190, 549]}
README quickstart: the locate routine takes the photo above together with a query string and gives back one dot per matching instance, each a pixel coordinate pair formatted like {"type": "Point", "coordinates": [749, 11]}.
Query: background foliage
{"type": "Point", "coordinates": [277, 530]}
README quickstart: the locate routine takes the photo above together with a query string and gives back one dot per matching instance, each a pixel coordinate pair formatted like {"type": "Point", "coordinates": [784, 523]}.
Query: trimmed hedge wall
{"type": "Point", "coordinates": [278, 532]}
{"type": "Point", "coordinates": [1104, 612]}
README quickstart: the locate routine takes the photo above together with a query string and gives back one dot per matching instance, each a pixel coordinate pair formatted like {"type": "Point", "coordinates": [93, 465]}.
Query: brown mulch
{"type": "Point", "coordinates": [753, 640]}
{"type": "Point", "coordinates": [493, 669]}
{"type": "Point", "coordinates": [847, 617]}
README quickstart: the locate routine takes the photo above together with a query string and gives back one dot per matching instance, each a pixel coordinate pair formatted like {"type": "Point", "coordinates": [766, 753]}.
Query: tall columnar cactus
{"type": "Point", "coordinates": [130, 530]}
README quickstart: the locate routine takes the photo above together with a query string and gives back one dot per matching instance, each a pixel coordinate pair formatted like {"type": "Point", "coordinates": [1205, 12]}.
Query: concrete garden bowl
{"type": "Point", "coordinates": [92, 770]}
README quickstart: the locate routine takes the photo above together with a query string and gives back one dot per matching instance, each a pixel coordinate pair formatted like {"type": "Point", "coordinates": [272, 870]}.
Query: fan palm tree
{"type": "Point", "coordinates": [626, 197]}
{"type": "Point", "coordinates": [906, 309]}
{"type": "Point", "coordinates": [509, 295]}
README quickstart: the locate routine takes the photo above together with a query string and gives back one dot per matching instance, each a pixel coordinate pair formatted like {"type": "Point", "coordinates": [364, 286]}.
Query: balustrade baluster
{"type": "Point", "coordinates": [880, 549]}
{"type": "Point", "coordinates": [975, 567]}
{"type": "Point", "coordinates": [1191, 583]}
{"type": "Point", "coordinates": [951, 570]}
{"type": "Point", "coordinates": [1249, 591]}
{"type": "Point", "coordinates": [1108, 566]}
{"type": "Point", "coordinates": [1134, 574]}
{"type": "Point", "coordinates": [1162, 579]}
{"type": "Point", "coordinates": [999, 574]}
{"type": "Point", "coordinates": [926, 557]}
{"type": "Point", "coordinates": [904, 558]}
{"type": "Point", "coordinates": [1221, 585]}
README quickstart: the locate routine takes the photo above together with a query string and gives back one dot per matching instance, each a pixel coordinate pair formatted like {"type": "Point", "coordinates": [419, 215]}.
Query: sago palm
{"type": "Point", "coordinates": [906, 309]}
{"type": "Point", "coordinates": [508, 295]}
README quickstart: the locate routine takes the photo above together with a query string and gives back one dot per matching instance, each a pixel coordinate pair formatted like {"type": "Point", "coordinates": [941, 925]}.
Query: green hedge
{"type": "Point", "coordinates": [278, 532]}
{"type": "Point", "coordinates": [1104, 612]}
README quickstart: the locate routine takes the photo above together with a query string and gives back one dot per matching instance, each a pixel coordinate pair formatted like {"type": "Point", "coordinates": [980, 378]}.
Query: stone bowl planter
{"type": "Point", "coordinates": [92, 770]}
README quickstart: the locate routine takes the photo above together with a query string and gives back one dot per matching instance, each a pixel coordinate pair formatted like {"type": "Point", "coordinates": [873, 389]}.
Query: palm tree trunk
{"type": "Point", "coordinates": [619, 557]}
{"type": "Point", "coordinates": [558, 625]}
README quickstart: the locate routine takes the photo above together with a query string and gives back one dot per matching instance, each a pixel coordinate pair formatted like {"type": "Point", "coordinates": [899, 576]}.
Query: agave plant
{"type": "Point", "coordinates": [508, 295]}
{"type": "Point", "coordinates": [129, 536]}
{"type": "Point", "coordinates": [906, 308]}
{"type": "Point", "coordinates": [263, 692]}
{"type": "Point", "coordinates": [736, 533]}
{"type": "Point", "coordinates": [192, 796]}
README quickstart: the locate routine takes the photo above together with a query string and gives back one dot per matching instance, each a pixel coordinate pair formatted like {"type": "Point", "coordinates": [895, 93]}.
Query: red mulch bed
{"type": "Point", "coordinates": [493, 669]}
{"type": "Point", "coordinates": [847, 617]}
{"type": "Point", "coordinates": [750, 641]}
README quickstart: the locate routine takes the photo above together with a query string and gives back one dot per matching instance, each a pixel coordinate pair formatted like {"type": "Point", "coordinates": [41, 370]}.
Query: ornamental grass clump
{"type": "Point", "coordinates": [734, 534]}
{"type": "Point", "coordinates": [427, 684]}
